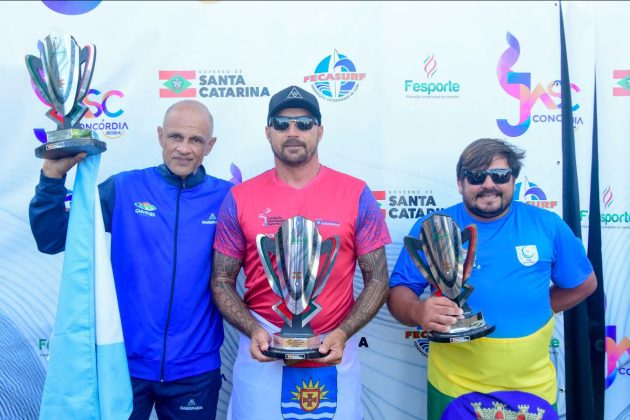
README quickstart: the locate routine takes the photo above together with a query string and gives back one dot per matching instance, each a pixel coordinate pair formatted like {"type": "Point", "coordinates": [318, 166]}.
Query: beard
{"type": "Point", "coordinates": [487, 213]}
{"type": "Point", "coordinates": [293, 159]}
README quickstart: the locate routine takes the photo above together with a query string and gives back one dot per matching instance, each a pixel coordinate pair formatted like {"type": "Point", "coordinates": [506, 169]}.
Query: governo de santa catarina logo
{"type": "Point", "coordinates": [335, 78]}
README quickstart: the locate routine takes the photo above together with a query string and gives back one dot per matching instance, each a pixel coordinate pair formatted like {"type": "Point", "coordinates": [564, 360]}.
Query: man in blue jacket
{"type": "Point", "coordinates": [162, 224]}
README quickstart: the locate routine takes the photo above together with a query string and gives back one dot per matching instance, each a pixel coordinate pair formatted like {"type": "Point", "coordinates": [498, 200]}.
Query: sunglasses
{"type": "Point", "coordinates": [499, 176]}
{"type": "Point", "coordinates": [282, 123]}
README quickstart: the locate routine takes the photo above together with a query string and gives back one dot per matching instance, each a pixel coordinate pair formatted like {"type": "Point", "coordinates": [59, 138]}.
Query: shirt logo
{"type": "Point", "coordinates": [145, 208]}
{"type": "Point", "coordinates": [191, 406]}
{"type": "Point", "coordinates": [527, 254]}
{"type": "Point", "coordinates": [211, 220]}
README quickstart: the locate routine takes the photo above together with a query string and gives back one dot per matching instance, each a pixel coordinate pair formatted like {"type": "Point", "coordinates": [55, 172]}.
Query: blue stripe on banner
{"type": "Point", "coordinates": [70, 390]}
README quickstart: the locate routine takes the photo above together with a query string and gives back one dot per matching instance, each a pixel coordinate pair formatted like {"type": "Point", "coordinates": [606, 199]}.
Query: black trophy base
{"type": "Point", "coordinates": [462, 335]}
{"type": "Point", "coordinates": [297, 354]}
{"type": "Point", "coordinates": [70, 147]}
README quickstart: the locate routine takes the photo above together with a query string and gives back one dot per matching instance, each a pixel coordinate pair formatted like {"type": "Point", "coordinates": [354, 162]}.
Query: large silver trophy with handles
{"type": "Point", "coordinates": [62, 75]}
{"type": "Point", "coordinates": [298, 249]}
{"type": "Point", "coordinates": [447, 268]}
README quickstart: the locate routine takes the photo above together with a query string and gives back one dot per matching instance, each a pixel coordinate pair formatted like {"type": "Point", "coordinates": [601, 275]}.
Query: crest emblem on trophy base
{"type": "Point", "coordinates": [447, 268]}
{"type": "Point", "coordinates": [62, 76]}
{"type": "Point", "coordinates": [297, 248]}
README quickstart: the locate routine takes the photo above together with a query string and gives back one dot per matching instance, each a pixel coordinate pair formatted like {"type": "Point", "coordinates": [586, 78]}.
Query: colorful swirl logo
{"type": "Point", "coordinates": [607, 197]}
{"type": "Point", "coordinates": [430, 66]}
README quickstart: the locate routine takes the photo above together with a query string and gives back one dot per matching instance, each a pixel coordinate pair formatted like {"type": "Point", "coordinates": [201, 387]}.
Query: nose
{"type": "Point", "coordinates": [183, 147]}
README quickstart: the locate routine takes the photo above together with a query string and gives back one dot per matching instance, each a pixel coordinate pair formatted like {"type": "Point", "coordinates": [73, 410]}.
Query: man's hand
{"type": "Point", "coordinates": [334, 342]}
{"type": "Point", "coordinates": [57, 168]}
{"type": "Point", "coordinates": [260, 342]}
{"type": "Point", "coordinates": [438, 313]}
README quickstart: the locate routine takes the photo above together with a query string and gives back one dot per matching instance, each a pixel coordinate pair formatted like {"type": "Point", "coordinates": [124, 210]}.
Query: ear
{"type": "Point", "coordinates": [320, 133]}
{"type": "Point", "coordinates": [160, 133]}
{"type": "Point", "coordinates": [210, 145]}
{"type": "Point", "coordinates": [459, 186]}
{"type": "Point", "coordinates": [268, 133]}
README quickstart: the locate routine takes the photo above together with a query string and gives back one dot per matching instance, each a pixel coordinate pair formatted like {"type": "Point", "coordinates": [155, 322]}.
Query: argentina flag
{"type": "Point", "coordinates": [87, 377]}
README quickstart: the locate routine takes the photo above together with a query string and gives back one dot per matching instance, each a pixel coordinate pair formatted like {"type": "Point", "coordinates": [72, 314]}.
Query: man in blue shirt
{"type": "Point", "coordinates": [162, 221]}
{"type": "Point", "coordinates": [520, 250]}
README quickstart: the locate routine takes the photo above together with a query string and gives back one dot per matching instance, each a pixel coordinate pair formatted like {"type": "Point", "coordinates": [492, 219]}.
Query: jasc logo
{"type": "Point", "coordinates": [98, 107]}
{"type": "Point", "coordinates": [518, 85]}
{"type": "Point", "coordinates": [336, 78]}
{"type": "Point", "coordinates": [530, 193]}
{"type": "Point", "coordinates": [614, 351]}
{"type": "Point", "coordinates": [431, 89]}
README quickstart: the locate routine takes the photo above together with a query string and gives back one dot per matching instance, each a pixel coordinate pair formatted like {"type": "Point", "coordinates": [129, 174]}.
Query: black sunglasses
{"type": "Point", "coordinates": [282, 123]}
{"type": "Point", "coordinates": [499, 176]}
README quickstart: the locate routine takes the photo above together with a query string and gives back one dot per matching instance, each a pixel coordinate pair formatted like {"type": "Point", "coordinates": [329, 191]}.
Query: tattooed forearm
{"type": "Point", "coordinates": [223, 286]}
{"type": "Point", "coordinates": [374, 294]}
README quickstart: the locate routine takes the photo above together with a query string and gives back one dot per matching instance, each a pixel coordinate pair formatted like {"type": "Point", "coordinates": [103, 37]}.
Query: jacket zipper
{"type": "Point", "coordinates": [170, 302]}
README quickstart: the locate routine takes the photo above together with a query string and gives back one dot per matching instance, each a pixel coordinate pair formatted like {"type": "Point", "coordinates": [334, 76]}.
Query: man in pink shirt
{"type": "Point", "coordinates": [340, 205]}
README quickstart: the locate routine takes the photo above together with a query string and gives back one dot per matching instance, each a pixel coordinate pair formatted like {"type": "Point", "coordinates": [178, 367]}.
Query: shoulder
{"type": "Point", "coordinates": [253, 183]}
{"type": "Point", "coordinates": [332, 175]}
{"type": "Point", "coordinates": [524, 210]}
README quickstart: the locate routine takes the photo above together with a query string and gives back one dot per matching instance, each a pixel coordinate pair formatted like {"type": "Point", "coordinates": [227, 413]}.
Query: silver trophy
{"type": "Point", "coordinates": [62, 76]}
{"type": "Point", "coordinates": [297, 249]}
{"type": "Point", "coordinates": [447, 268]}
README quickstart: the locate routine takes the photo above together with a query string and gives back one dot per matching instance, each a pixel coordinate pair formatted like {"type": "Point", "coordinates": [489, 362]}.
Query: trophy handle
{"type": "Point", "coordinates": [329, 248]}
{"type": "Point", "coordinates": [470, 234]}
{"type": "Point", "coordinates": [413, 245]}
{"type": "Point", "coordinates": [34, 65]}
{"type": "Point", "coordinates": [266, 247]}
{"type": "Point", "coordinates": [87, 56]}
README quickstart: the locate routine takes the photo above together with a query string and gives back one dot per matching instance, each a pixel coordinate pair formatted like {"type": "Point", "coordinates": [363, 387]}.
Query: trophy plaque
{"type": "Point", "coordinates": [297, 250]}
{"type": "Point", "coordinates": [447, 268]}
{"type": "Point", "coordinates": [62, 76]}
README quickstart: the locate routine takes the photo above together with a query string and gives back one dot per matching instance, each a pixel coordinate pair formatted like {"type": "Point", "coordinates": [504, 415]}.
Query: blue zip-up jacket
{"type": "Point", "coordinates": [162, 232]}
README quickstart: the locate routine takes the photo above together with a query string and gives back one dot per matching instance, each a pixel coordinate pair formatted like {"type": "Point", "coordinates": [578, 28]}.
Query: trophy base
{"type": "Point", "coordinates": [292, 347]}
{"type": "Point", "coordinates": [469, 328]}
{"type": "Point", "coordinates": [287, 354]}
{"type": "Point", "coordinates": [70, 147]}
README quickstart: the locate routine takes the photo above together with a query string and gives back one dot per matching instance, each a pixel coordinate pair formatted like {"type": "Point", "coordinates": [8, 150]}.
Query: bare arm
{"type": "Point", "coordinates": [374, 269]}
{"type": "Point", "coordinates": [223, 286]}
{"type": "Point", "coordinates": [436, 313]}
{"type": "Point", "coordinates": [564, 299]}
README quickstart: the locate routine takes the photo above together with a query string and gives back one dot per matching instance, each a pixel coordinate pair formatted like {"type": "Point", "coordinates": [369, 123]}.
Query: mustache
{"type": "Point", "coordinates": [485, 191]}
{"type": "Point", "coordinates": [293, 142]}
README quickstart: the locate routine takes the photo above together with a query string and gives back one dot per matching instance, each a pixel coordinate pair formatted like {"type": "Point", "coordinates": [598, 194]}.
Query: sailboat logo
{"type": "Point", "coordinates": [335, 78]}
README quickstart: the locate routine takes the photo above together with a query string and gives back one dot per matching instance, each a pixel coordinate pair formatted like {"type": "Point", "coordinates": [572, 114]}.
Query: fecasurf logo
{"type": "Point", "coordinates": [431, 89]}
{"type": "Point", "coordinates": [609, 218]}
{"type": "Point", "coordinates": [623, 81]}
{"type": "Point", "coordinates": [177, 83]}
{"type": "Point", "coordinates": [144, 208]}
{"type": "Point", "coordinates": [420, 340]}
{"type": "Point", "coordinates": [530, 193]}
{"type": "Point", "coordinates": [519, 86]}
{"type": "Point", "coordinates": [408, 204]}
{"type": "Point", "coordinates": [335, 78]}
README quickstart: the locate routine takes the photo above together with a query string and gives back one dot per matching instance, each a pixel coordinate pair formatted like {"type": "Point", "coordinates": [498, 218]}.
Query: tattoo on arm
{"type": "Point", "coordinates": [374, 294]}
{"type": "Point", "coordinates": [223, 286]}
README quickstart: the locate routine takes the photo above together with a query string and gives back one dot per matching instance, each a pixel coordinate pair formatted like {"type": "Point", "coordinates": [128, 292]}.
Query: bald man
{"type": "Point", "coordinates": [162, 230]}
